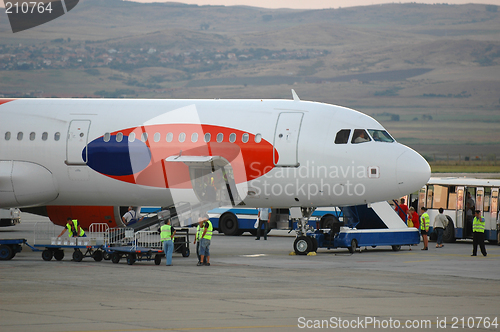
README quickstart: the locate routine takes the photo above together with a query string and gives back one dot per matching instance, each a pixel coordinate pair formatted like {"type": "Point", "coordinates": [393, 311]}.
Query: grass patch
{"type": "Point", "coordinates": [465, 168]}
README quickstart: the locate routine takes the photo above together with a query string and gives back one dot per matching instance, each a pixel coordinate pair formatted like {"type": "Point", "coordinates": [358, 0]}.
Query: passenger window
{"type": "Point", "coordinates": [258, 138]}
{"type": "Point", "coordinates": [245, 138]}
{"type": "Point", "coordinates": [144, 137]}
{"type": "Point", "coordinates": [157, 137]}
{"type": "Point", "coordinates": [194, 137]}
{"type": "Point", "coordinates": [232, 138]}
{"type": "Point", "coordinates": [131, 137]}
{"type": "Point", "coordinates": [57, 136]}
{"type": "Point", "coordinates": [182, 137]}
{"type": "Point", "coordinates": [45, 135]}
{"type": "Point", "coordinates": [207, 137]}
{"type": "Point", "coordinates": [32, 136]}
{"type": "Point", "coordinates": [7, 136]}
{"type": "Point", "coordinates": [19, 135]}
{"type": "Point", "coordinates": [487, 199]}
{"type": "Point", "coordinates": [380, 136]}
{"type": "Point", "coordinates": [170, 137]}
{"type": "Point", "coordinates": [360, 136]}
{"type": "Point", "coordinates": [440, 197]}
{"type": "Point", "coordinates": [107, 137]}
{"type": "Point", "coordinates": [220, 137]}
{"type": "Point", "coordinates": [119, 137]}
{"type": "Point", "coordinates": [342, 136]}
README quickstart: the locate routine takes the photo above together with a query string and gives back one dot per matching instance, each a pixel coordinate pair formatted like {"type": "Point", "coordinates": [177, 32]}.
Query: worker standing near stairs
{"type": "Point", "coordinates": [205, 240]}
{"type": "Point", "coordinates": [167, 233]}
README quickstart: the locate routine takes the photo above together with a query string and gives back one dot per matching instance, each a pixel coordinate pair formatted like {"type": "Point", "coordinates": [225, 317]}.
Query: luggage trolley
{"type": "Point", "coordinates": [10, 247]}
{"type": "Point", "coordinates": [146, 246]}
{"type": "Point", "coordinates": [54, 246]}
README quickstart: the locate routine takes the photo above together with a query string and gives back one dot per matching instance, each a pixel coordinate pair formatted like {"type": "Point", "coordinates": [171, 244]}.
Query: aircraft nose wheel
{"type": "Point", "coordinates": [303, 245]}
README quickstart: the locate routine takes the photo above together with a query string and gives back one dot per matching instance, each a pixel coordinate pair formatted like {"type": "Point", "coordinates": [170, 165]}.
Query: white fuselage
{"type": "Point", "coordinates": [281, 153]}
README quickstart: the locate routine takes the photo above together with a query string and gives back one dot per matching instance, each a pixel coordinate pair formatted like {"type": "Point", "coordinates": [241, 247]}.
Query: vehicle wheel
{"type": "Point", "coordinates": [5, 252]}
{"type": "Point", "coordinates": [59, 254]}
{"type": "Point", "coordinates": [185, 251]}
{"type": "Point", "coordinates": [449, 232]}
{"type": "Point", "coordinates": [106, 256]}
{"type": "Point", "coordinates": [115, 258]}
{"type": "Point", "coordinates": [327, 221]}
{"type": "Point", "coordinates": [229, 224]}
{"type": "Point", "coordinates": [314, 244]}
{"type": "Point", "coordinates": [131, 259]}
{"type": "Point", "coordinates": [97, 255]}
{"type": "Point", "coordinates": [354, 245]}
{"type": "Point", "coordinates": [77, 256]}
{"type": "Point", "coordinates": [157, 259]}
{"type": "Point", "coordinates": [302, 245]}
{"type": "Point", "coordinates": [47, 255]}
{"type": "Point", "coordinates": [396, 247]}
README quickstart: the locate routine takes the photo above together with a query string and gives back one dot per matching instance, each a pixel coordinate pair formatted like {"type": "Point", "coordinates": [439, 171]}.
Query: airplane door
{"type": "Point", "coordinates": [286, 138]}
{"type": "Point", "coordinates": [77, 141]}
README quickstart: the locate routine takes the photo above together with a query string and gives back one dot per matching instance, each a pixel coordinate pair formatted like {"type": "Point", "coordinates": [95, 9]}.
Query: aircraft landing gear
{"type": "Point", "coordinates": [304, 244]}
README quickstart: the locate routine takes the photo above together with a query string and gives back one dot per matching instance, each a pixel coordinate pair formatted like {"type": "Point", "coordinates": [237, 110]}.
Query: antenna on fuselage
{"type": "Point", "coordinates": [295, 96]}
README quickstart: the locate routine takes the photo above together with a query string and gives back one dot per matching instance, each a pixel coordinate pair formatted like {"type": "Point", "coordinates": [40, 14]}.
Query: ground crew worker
{"type": "Point", "coordinates": [167, 233]}
{"type": "Point", "coordinates": [205, 240]}
{"type": "Point", "coordinates": [74, 229]}
{"type": "Point", "coordinates": [424, 227]}
{"type": "Point", "coordinates": [478, 234]}
{"type": "Point", "coordinates": [197, 238]}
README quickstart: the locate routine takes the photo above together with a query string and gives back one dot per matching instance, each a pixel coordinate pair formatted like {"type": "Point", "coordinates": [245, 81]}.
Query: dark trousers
{"type": "Point", "coordinates": [439, 233]}
{"type": "Point", "coordinates": [478, 239]}
{"type": "Point", "coordinates": [259, 229]}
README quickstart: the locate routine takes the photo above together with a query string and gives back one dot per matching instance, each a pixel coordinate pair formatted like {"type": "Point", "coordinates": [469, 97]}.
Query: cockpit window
{"type": "Point", "coordinates": [360, 136]}
{"type": "Point", "coordinates": [342, 136]}
{"type": "Point", "coordinates": [380, 135]}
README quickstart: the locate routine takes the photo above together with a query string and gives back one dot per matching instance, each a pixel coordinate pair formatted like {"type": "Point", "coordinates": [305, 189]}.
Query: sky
{"type": "Point", "coordinates": [316, 4]}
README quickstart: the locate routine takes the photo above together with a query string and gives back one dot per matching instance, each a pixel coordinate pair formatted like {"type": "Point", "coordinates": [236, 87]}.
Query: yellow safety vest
{"type": "Point", "coordinates": [424, 221]}
{"type": "Point", "coordinates": [208, 234]}
{"type": "Point", "coordinates": [478, 225]}
{"type": "Point", "coordinates": [75, 224]}
{"type": "Point", "coordinates": [166, 233]}
{"type": "Point", "coordinates": [199, 232]}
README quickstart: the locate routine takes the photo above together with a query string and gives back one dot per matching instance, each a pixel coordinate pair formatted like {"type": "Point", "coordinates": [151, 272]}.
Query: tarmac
{"type": "Point", "coordinates": [253, 286]}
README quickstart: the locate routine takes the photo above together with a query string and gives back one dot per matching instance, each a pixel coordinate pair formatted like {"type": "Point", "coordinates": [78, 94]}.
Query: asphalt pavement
{"type": "Point", "coordinates": [253, 286]}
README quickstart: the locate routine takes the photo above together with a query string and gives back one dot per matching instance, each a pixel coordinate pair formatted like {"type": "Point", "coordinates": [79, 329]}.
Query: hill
{"type": "Point", "coordinates": [408, 65]}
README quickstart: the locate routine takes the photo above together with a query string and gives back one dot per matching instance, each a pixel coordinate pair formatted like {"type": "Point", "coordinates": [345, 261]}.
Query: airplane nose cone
{"type": "Point", "coordinates": [412, 172]}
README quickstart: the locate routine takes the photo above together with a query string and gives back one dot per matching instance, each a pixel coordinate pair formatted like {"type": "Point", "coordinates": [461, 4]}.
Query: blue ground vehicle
{"type": "Point", "coordinates": [236, 221]}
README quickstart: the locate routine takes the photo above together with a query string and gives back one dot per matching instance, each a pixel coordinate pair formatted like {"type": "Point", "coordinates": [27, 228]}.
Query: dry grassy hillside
{"type": "Point", "coordinates": [429, 73]}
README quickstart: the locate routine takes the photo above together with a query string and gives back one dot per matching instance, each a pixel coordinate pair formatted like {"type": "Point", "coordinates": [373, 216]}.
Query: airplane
{"type": "Point", "coordinates": [84, 158]}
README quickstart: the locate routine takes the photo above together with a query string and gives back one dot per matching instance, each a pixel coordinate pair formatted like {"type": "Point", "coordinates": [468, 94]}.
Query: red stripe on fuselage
{"type": "Point", "coordinates": [3, 101]}
{"type": "Point", "coordinates": [249, 160]}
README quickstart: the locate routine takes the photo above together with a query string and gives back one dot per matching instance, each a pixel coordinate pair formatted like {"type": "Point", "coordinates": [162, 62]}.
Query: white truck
{"type": "Point", "coordinates": [10, 217]}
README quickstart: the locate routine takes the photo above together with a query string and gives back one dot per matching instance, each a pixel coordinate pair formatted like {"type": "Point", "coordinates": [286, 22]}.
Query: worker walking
{"type": "Point", "coordinates": [167, 233]}
{"type": "Point", "coordinates": [73, 228]}
{"type": "Point", "coordinates": [424, 227]}
{"type": "Point", "coordinates": [205, 240]}
{"type": "Point", "coordinates": [264, 217]}
{"type": "Point", "coordinates": [478, 234]}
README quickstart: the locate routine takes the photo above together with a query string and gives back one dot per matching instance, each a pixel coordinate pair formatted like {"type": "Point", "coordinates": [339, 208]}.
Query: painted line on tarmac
{"type": "Point", "coordinates": [256, 255]}
{"type": "Point", "coordinates": [197, 328]}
